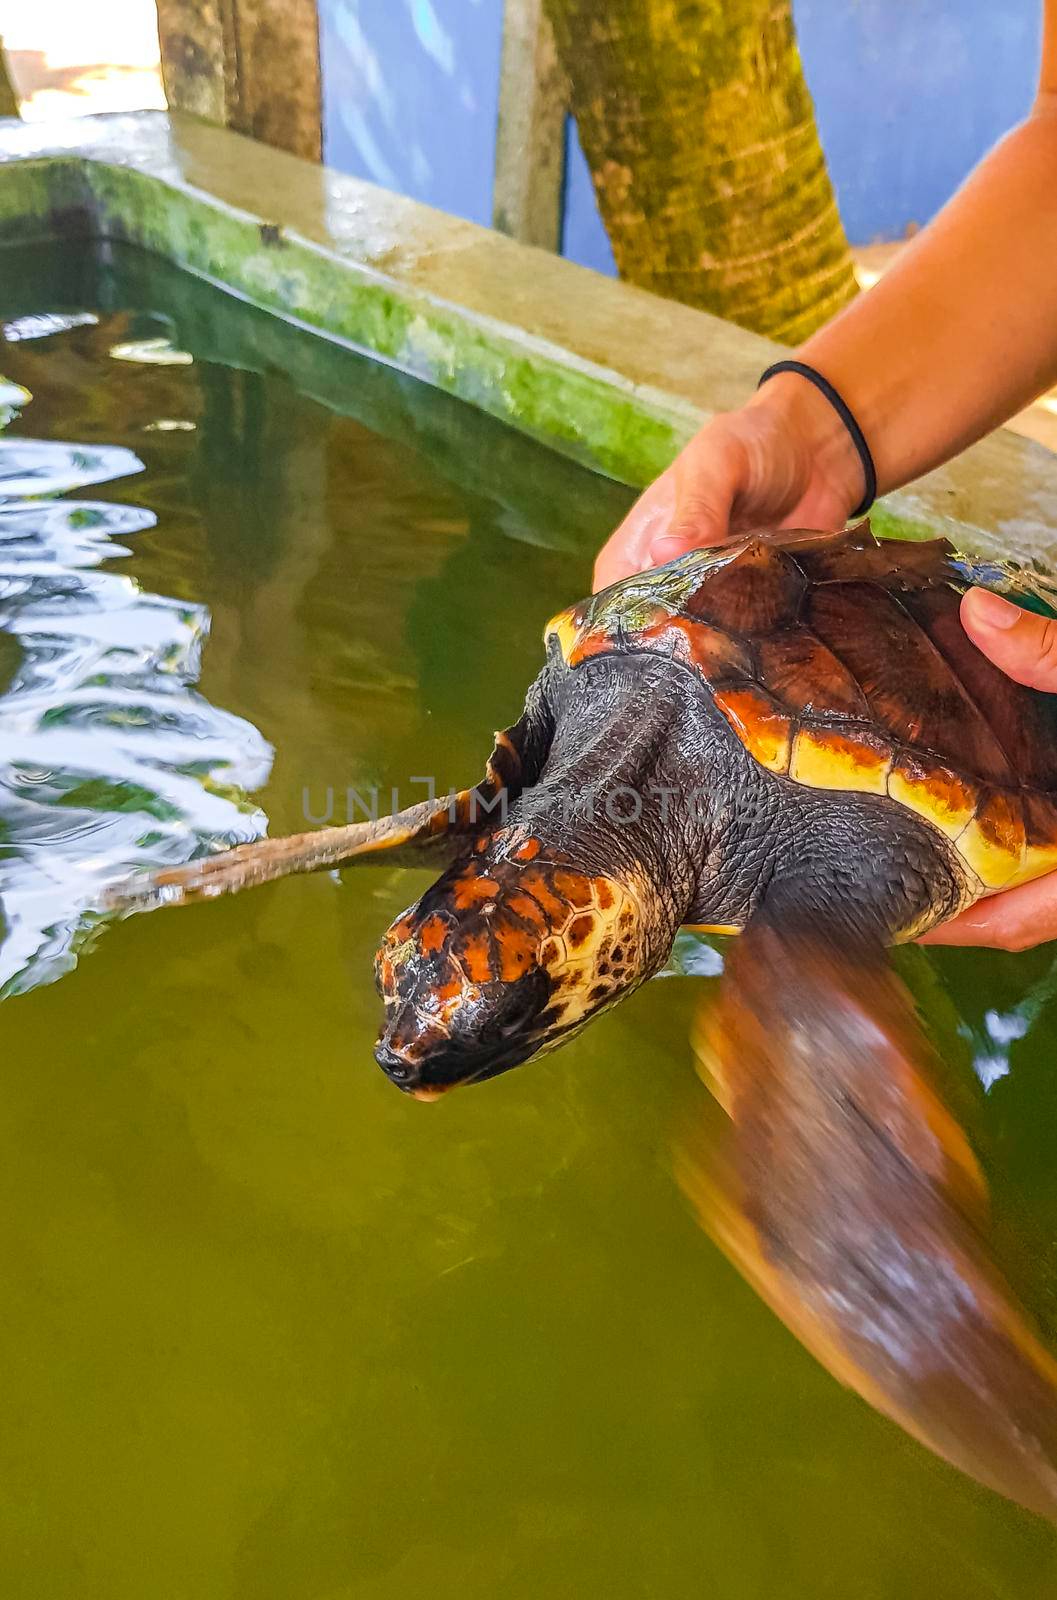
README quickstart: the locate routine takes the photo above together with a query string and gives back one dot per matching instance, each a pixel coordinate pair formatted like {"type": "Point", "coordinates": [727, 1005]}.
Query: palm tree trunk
{"type": "Point", "coordinates": [8, 97]}
{"type": "Point", "coordinates": [700, 134]}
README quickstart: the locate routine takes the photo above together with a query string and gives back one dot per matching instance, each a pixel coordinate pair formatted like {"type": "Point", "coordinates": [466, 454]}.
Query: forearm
{"type": "Point", "coordinates": [962, 331]}
{"type": "Point", "coordinates": [958, 336]}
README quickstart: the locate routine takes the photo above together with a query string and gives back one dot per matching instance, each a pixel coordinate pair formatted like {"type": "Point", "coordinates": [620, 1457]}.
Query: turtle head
{"type": "Point", "coordinates": [510, 952]}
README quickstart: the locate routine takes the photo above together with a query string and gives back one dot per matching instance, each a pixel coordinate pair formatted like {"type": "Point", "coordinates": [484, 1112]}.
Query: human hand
{"type": "Point", "coordinates": [783, 460]}
{"type": "Point", "coordinates": [1025, 647]}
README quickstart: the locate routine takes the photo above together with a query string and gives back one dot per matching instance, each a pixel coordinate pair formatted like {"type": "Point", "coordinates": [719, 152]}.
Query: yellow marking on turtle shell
{"type": "Point", "coordinates": [1040, 832]}
{"type": "Point", "coordinates": [1036, 862]}
{"type": "Point", "coordinates": [829, 760]}
{"type": "Point", "coordinates": [936, 793]}
{"type": "Point", "coordinates": [993, 843]}
{"type": "Point", "coordinates": [761, 728]}
{"type": "Point", "coordinates": [565, 627]}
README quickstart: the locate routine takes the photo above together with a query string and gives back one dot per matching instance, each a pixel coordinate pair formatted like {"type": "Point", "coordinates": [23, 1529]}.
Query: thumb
{"type": "Point", "coordinates": [1021, 644]}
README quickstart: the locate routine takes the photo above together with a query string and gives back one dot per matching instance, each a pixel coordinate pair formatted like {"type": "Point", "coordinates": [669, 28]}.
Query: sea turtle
{"type": "Point", "coordinates": [789, 735]}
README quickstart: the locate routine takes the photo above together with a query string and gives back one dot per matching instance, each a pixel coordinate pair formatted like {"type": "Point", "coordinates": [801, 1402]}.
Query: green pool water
{"type": "Point", "coordinates": [268, 1329]}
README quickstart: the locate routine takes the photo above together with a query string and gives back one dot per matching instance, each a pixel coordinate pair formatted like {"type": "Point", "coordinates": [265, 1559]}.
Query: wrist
{"type": "Point", "coordinates": [810, 425]}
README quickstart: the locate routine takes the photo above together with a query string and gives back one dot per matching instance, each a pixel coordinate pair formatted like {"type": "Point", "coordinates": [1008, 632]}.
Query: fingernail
{"type": "Point", "coordinates": [666, 548]}
{"type": "Point", "coordinates": [992, 610]}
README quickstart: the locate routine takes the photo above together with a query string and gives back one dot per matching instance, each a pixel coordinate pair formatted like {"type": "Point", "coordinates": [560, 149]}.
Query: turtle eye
{"type": "Point", "coordinates": [504, 1011]}
{"type": "Point", "coordinates": [526, 1010]}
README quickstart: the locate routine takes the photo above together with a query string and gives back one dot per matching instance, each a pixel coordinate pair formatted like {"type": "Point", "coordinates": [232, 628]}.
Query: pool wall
{"type": "Point", "coordinates": [603, 372]}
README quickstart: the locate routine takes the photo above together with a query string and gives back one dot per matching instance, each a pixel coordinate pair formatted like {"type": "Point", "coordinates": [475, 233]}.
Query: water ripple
{"type": "Point", "coordinates": [37, 466]}
{"type": "Point", "coordinates": [109, 758]}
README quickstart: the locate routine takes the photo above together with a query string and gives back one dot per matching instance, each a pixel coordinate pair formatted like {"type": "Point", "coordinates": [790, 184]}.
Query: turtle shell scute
{"type": "Point", "coordinates": [840, 662]}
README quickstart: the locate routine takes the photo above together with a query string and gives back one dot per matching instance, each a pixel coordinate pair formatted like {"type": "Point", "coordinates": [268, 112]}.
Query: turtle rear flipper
{"type": "Point", "coordinates": [849, 1198]}
{"type": "Point", "coordinates": [431, 833]}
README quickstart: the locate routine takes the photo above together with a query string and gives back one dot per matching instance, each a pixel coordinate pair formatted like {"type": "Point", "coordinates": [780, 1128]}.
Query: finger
{"type": "Point", "coordinates": [1017, 919]}
{"type": "Point", "coordinates": [1022, 644]}
{"type": "Point", "coordinates": [704, 495]}
{"type": "Point", "coordinates": [627, 549]}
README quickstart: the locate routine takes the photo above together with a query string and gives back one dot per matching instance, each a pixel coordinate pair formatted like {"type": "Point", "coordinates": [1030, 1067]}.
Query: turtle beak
{"type": "Point", "coordinates": [401, 1068]}
{"type": "Point", "coordinates": [426, 1063]}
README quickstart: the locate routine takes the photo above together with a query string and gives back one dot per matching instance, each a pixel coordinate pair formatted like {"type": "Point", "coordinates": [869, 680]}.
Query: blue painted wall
{"type": "Point", "coordinates": [410, 95]}
{"type": "Point", "coordinates": [584, 238]}
{"type": "Point", "coordinates": [909, 95]}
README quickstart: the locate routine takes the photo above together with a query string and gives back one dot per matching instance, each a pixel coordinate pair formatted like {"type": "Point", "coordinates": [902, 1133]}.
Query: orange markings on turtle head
{"type": "Point", "coordinates": [402, 929]}
{"type": "Point", "coordinates": [527, 851]}
{"type": "Point", "coordinates": [471, 889]}
{"type": "Point", "coordinates": [572, 888]}
{"type": "Point", "coordinates": [474, 955]}
{"type": "Point", "coordinates": [432, 934]}
{"type": "Point", "coordinates": [516, 947]}
{"type": "Point", "coordinates": [526, 909]}
{"type": "Point", "coordinates": [537, 884]}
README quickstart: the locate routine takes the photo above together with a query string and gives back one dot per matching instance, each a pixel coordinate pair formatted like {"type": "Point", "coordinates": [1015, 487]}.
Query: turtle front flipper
{"type": "Point", "coordinates": [428, 833]}
{"type": "Point", "coordinates": [849, 1197]}
{"type": "Point", "coordinates": [431, 833]}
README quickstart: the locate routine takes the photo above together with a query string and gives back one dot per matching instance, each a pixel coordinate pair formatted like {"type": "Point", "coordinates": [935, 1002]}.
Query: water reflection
{"type": "Point", "coordinates": [41, 325]}
{"type": "Point", "coordinates": [108, 756]}
{"type": "Point", "coordinates": [993, 1031]}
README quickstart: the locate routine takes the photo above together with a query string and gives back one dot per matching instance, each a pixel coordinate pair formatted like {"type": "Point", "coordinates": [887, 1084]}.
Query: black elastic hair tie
{"type": "Point", "coordinates": [844, 412]}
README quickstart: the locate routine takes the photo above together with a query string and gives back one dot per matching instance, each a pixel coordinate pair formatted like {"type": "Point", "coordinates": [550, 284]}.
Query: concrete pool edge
{"type": "Point", "coordinates": [603, 372]}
